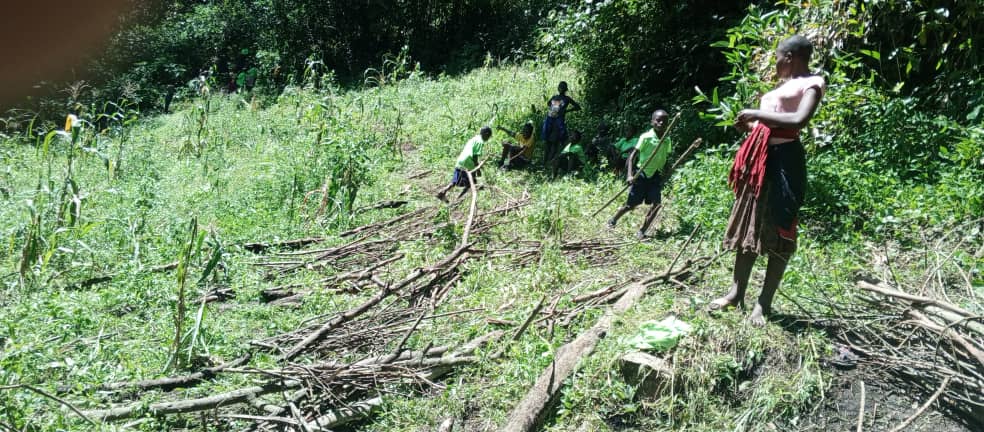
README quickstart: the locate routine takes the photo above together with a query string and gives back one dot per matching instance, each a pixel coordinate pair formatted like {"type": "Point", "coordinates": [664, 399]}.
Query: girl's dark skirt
{"type": "Point", "coordinates": [753, 225]}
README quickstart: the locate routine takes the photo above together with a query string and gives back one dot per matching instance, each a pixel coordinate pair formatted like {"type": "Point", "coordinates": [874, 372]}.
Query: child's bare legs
{"type": "Point", "coordinates": [739, 283]}
{"type": "Point", "coordinates": [618, 215]}
{"type": "Point", "coordinates": [442, 194]}
{"type": "Point", "coordinates": [773, 276]}
{"type": "Point", "coordinates": [650, 217]}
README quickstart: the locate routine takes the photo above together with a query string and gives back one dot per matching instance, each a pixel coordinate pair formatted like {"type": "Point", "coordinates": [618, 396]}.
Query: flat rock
{"type": "Point", "coordinates": [650, 375]}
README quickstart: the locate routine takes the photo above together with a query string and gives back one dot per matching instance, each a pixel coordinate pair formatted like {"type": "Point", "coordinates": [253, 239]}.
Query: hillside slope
{"type": "Point", "coordinates": [223, 186]}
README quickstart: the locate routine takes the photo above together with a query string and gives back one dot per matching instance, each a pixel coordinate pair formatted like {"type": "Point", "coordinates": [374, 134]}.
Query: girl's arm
{"type": "Point", "coordinates": [794, 120]}
{"type": "Point", "coordinates": [507, 131]}
{"type": "Point", "coordinates": [574, 106]}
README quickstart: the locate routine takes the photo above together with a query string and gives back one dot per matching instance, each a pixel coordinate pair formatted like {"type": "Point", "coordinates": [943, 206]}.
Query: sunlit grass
{"type": "Point", "coordinates": [251, 179]}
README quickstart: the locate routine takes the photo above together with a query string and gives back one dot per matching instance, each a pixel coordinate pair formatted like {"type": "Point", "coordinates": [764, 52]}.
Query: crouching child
{"type": "Point", "coordinates": [518, 154]}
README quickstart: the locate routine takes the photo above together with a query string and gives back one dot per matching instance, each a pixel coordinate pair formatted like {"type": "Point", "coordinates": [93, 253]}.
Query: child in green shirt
{"type": "Point", "coordinates": [467, 161]}
{"type": "Point", "coordinates": [644, 164]}
{"type": "Point", "coordinates": [573, 156]}
{"type": "Point", "coordinates": [618, 152]}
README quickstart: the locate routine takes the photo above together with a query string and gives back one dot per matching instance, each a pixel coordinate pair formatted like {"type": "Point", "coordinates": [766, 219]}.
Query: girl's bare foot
{"type": "Point", "coordinates": [758, 316]}
{"type": "Point", "coordinates": [729, 301]}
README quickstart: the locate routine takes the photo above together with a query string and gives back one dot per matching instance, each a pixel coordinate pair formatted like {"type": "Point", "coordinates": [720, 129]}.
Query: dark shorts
{"type": "Point", "coordinates": [513, 150]}
{"type": "Point", "coordinates": [460, 178]}
{"type": "Point", "coordinates": [519, 162]}
{"type": "Point", "coordinates": [569, 161]}
{"type": "Point", "coordinates": [514, 156]}
{"type": "Point", "coordinates": [647, 190]}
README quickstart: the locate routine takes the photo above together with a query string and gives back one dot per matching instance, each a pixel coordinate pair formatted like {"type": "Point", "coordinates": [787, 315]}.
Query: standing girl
{"type": "Point", "coordinates": [554, 130]}
{"type": "Point", "coordinates": [769, 177]}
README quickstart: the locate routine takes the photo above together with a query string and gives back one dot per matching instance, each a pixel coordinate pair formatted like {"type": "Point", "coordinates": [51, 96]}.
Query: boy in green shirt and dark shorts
{"type": "Point", "coordinates": [645, 163]}
{"type": "Point", "coordinates": [467, 161]}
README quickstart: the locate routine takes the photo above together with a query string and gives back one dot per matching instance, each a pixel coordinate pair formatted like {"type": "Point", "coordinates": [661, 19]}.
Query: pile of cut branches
{"type": "Point", "coordinates": [929, 345]}
{"type": "Point", "coordinates": [333, 369]}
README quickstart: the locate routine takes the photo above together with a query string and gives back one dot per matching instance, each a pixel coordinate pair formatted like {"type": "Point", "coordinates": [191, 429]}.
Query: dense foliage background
{"type": "Point", "coordinates": [905, 79]}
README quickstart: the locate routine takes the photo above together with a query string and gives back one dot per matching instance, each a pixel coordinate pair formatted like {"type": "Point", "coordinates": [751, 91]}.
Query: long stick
{"type": "Point", "coordinates": [358, 310]}
{"type": "Point", "coordinates": [52, 397]}
{"type": "Point", "coordinates": [192, 405]}
{"type": "Point", "coordinates": [861, 410]}
{"type": "Point", "coordinates": [666, 177]}
{"type": "Point", "coordinates": [693, 146]}
{"type": "Point", "coordinates": [474, 202]}
{"type": "Point", "coordinates": [528, 412]}
{"type": "Point", "coordinates": [658, 143]}
{"type": "Point", "coordinates": [926, 405]}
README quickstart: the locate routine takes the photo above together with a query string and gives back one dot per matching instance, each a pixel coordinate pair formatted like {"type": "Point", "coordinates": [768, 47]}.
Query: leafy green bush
{"type": "Point", "coordinates": [877, 156]}
{"type": "Point", "coordinates": [633, 49]}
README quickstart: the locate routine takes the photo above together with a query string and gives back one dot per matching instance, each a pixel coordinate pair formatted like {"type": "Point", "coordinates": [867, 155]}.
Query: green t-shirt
{"type": "Point", "coordinates": [470, 154]}
{"type": "Point", "coordinates": [646, 146]}
{"type": "Point", "coordinates": [251, 75]}
{"type": "Point", "coordinates": [576, 150]}
{"type": "Point", "coordinates": [625, 145]}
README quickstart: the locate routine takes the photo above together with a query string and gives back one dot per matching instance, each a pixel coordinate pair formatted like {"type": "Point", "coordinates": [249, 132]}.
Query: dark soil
{"type": "Point", "coordinates": [886, 405]}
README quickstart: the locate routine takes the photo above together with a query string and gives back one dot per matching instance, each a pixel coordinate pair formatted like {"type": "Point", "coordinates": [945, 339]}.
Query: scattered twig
{"type": "Point", "coordinates": [861, 409]}
{"type": "Point", "coordinates": [259, 247]}
{"type": "Point", "coordinates": [905, 423]}
{"type": "Point", "coordinates": [52, 397]}
{"type": "Point", "coordinates": [382, 205]}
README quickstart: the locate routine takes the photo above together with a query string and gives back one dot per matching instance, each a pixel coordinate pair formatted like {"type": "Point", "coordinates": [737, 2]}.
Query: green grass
{"type": "Point", "coordinates": [248, 182]}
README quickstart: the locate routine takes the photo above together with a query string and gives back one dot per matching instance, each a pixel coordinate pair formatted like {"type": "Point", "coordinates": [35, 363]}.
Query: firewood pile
{"type": "Point", "coordinates": [929, 345]}
{"type": "Point", "coordinates": [335, 368]}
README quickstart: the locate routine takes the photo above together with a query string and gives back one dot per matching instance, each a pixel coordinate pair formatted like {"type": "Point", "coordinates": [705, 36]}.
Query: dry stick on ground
{"type": "Point", "coordinates": [272, 419]}
{"type": "Point", "coordinates": [52, 397]}
{"type": "Point", "coordinates": [861, 409]}
{"type": "Point", "coordinates": [354, 411]}
{"type": "Point", "coordinates": [258, 247]}
{"type": "Point", "coordinates": [947, 311]}
{"type": "Point", "coordinates": [283, 293]}
{"type": "Point", "coordinates": [527, 414]}
{"type": "Point", "coordinates": [599, 293]}
{"type": "Point", "coordinates": [899, 338]}
{"type": "Point", "coordinates": [376, 226]}
{"type": "Point", "coordinates": [905, 423]}
{"type": "Point", "coordinates": [108, 277]}
{"type": "Point", "coordinates": [359, 310]}
{"type": "Point", "coordinates": [244, 395]}
{"type": "Point", "coordinates": [529, 319]}
{"type": "Point", "coordinates": [346, 414]}
{"type": "Point", "coordinates": [924, 321]}
{"type": "Point", "coordinates": [399, 346]}
{"type": "Point", "coordinates": [419, 174]}
{"type": "Point", "coordinates": [193, 405]}
{"type": "Point", "coordinates": [171, 383]}
{"type": "Point", "coordinates": [382, 205]}
{"type": "Point", "coordinates": [522, 328]}
{"type": "Point", "coordinates": [474, 202]}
